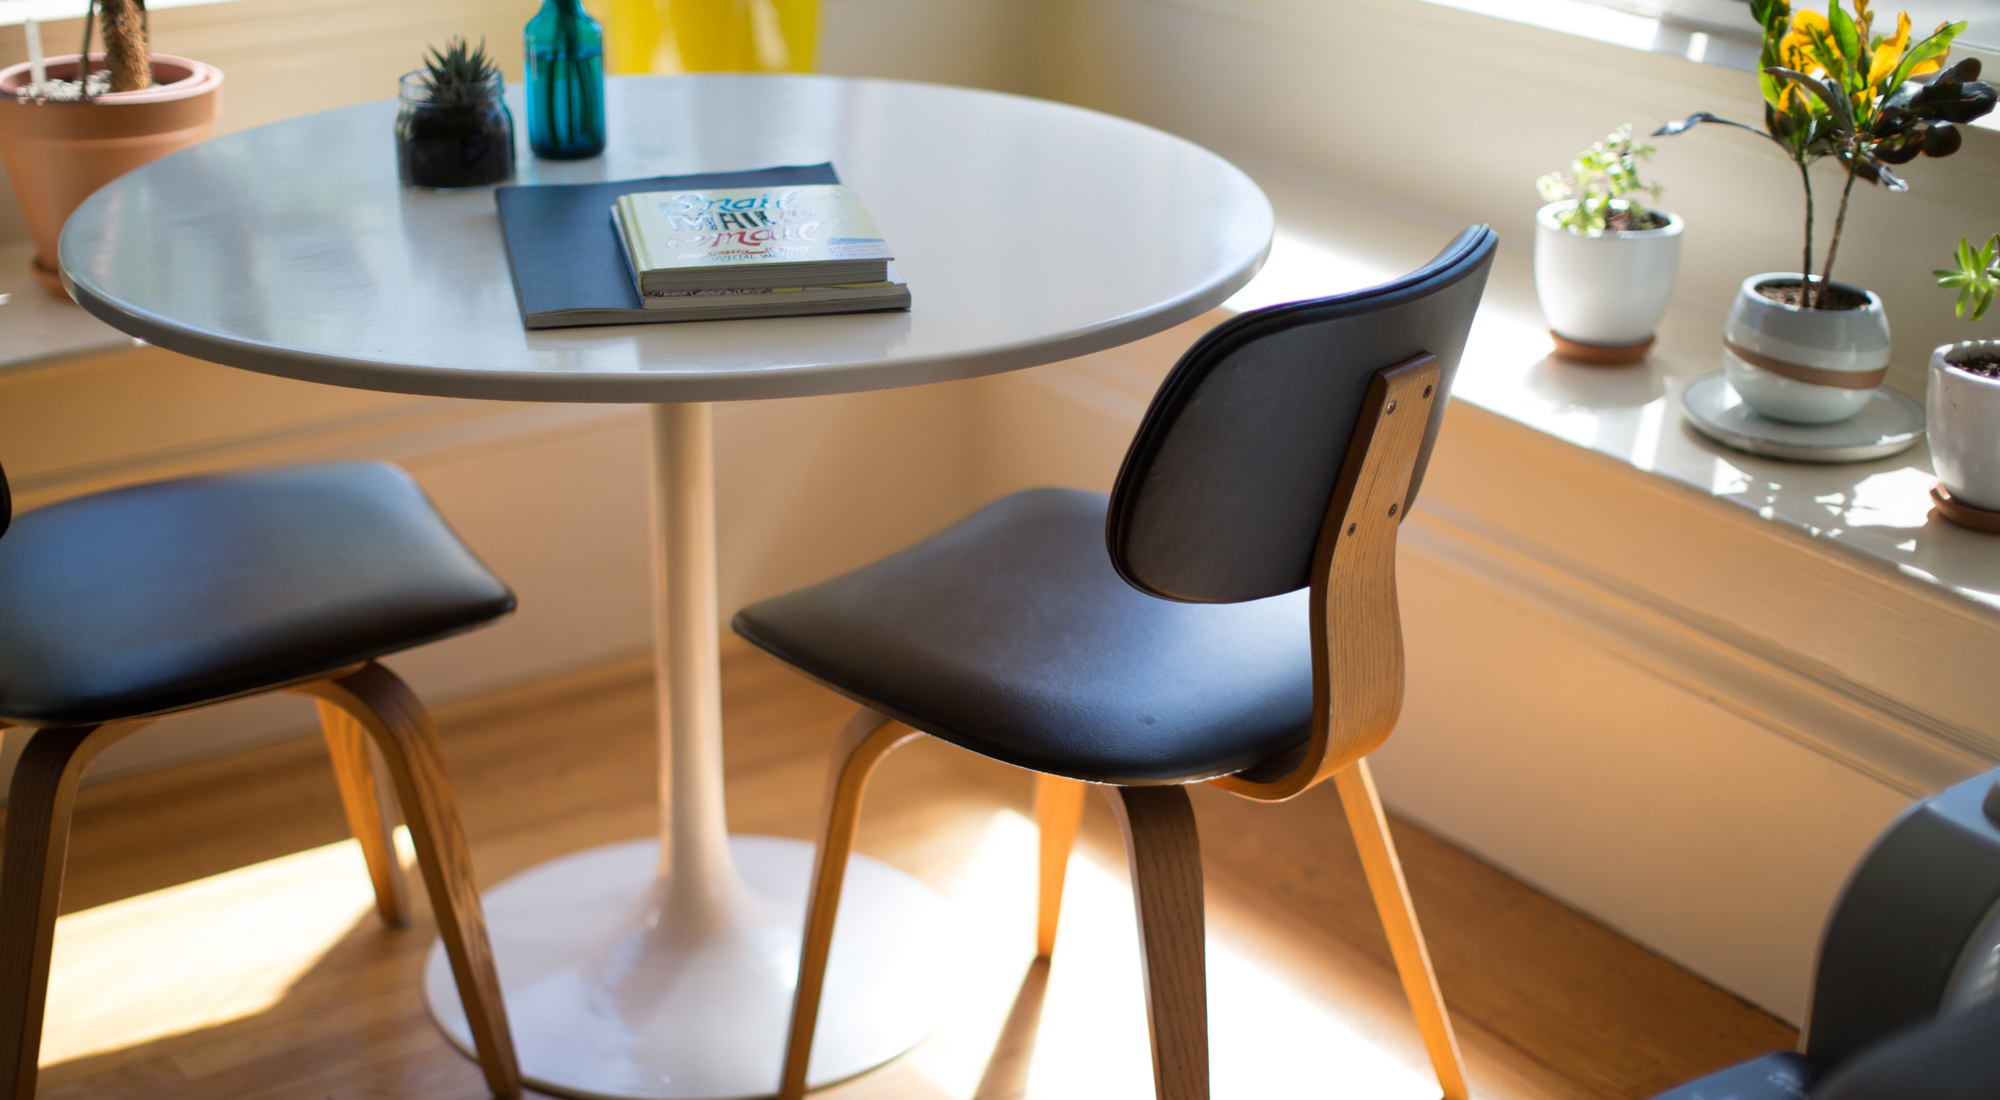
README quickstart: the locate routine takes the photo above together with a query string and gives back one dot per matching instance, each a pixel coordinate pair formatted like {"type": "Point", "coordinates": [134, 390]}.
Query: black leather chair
{"type": "Point", "coordinates": [122, 607]}
{"type": "Point", "coordinates": [1906, 995]}
{"type": "Point", "coordinates": [1242, 630]}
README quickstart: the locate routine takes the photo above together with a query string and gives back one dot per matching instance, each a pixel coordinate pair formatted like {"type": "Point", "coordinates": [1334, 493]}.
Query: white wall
{"type": "Point", "coordinates": [982, 43]}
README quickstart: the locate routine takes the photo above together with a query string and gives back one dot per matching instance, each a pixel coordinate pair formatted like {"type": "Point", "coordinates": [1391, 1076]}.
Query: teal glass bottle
{"type": "Point", "coordinates": [564, 54]}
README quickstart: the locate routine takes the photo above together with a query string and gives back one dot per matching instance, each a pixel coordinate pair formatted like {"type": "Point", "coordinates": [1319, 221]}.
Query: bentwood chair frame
{"type": "Point", "coordinates": [1358, 678]}
{"type": "Point", "coordinates": [357, 704]}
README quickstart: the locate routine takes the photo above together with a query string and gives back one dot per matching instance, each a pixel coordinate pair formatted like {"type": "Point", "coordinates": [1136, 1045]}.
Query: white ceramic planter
{"type": "Point", "coordinates": [1609, 290]}
{"type": "Point", "coordinates": [1962, 422]}
{"type": "Point", "coordinates": [1804, 366]}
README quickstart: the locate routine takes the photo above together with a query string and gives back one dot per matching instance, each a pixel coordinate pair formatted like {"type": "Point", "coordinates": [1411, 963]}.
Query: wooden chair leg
{"type": "Point", "coordinates": [1058, 812]}
{"type": "Point", "coordinates": [1165, 855]}
{"type": "Point", "coordinates": [370, 811]}
{"type": "Point", "coordinates": [867, 739]}
{"type": "Point", "coordinates": [384, 706]}
{"type": "Point", "coordinates": [39, 804]}
{"type": "Point", "coordinates": [1399, 918]}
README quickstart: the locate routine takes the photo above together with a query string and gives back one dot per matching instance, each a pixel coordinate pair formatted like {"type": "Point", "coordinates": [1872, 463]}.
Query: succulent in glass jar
{"type": "Point", "coordinates": [454, 129]}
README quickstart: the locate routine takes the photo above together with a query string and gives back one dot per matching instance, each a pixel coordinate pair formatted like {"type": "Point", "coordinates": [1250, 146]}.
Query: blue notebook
{"type": "Point", "coordinates": [568, 266]}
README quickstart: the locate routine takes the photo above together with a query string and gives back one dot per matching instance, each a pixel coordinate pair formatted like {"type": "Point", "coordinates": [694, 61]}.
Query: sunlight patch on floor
{"type": "Point", "coordinates": [201, 953]}
{"type": "Point", "coordinates": [1269, 1037]}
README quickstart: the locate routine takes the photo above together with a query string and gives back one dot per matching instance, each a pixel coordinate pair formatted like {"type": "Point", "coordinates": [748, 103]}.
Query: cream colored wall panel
{"type": "Point", "coordinates": [74, 421]}
{"type": "Point", "coordinates": [1649, 806]}
{"type": "Point", "coordinates": [1828, 614]}
{"type": "Point", "coordinates": [981, 43]}
{"type": "Point", "coordinates": [808, 488]}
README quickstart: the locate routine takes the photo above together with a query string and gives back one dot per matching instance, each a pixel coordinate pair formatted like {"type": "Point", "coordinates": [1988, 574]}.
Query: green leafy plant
{"type": "Point", "coordinates": [1602, 179]}
{"type": "Point", "coordinates": [1834, 87]}
{"type": "Point", "coordinates": [1976, 278]}
{"type": "Point", "coordinates": [459, 73]}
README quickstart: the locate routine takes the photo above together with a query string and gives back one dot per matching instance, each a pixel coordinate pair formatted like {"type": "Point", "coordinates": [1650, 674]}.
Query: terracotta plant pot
{"type": "Point", "coordinates": [57, 154]}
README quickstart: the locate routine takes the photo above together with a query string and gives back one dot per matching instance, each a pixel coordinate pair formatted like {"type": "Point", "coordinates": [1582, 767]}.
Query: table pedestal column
{"type": "Point", "coordinates": [663, 969]}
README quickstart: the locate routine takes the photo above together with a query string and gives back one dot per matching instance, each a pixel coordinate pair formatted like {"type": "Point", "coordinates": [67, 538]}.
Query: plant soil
{"type": "Point", "coordinates": [1790, 292]}
{"type": "Point", "coordinates": [1982, 362]}
{"type": "Point", "coordinates": [455, 145]}
{"type": "Point", "coordinates": [1633, 221]}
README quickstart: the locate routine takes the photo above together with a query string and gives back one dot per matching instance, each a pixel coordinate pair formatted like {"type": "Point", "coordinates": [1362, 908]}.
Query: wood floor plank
{"type": "Point", "coordinates": [1549, 1005]}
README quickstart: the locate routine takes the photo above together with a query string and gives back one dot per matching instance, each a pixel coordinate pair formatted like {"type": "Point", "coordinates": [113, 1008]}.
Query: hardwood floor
{"type": "Point", "coordinates": [220, 939]}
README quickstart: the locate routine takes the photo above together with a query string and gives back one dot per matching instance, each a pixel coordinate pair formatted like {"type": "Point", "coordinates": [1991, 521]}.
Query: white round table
{"type": "Point", "coordinates": [1029, 232]}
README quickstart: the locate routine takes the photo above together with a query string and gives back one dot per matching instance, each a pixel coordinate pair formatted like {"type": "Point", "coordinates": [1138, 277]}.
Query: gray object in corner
{"type": "Point", "coordinates": [1904, 998]}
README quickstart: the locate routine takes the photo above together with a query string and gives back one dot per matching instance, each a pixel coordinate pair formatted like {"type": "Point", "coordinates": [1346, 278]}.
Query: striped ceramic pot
{"type": "Point", "coordinates": [1804, 366]}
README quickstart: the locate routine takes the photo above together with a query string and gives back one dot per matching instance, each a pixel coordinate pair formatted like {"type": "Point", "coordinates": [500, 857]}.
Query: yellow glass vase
{"type": "Point", "coordinates": [712, 36]}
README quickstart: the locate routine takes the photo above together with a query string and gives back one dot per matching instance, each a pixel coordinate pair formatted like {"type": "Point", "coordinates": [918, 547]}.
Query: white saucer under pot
{"type": "Point", "coordinates": [1804, 366]}
{"type": "Point", "coordinates": [1609, 290]}
{"type": "Point", "coordinates": [1963, 426]}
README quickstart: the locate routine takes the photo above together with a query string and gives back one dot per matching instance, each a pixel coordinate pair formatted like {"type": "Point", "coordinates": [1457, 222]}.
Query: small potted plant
{"type": "Point", "coordinates": [1805, 348]}
{"type": "Point", "coordinates": [68, 128]}
{"type": "Point", "coordinates": [454, 129]}
{"type": "Point", "coordinates": [1962, 403]}
{"type": "Point", "coordinates": [1604, 262]}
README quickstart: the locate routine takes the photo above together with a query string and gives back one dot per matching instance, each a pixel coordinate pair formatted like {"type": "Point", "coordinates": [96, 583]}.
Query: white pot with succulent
{"type": "Point", "coordinates": [1605, 263]}
{"type": "Point", "coordinates": [1798, 347]}
{"type": "Point", "coordinates": [1962, 398]}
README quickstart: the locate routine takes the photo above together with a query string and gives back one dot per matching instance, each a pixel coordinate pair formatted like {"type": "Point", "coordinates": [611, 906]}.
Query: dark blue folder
{"type": "Point", "coordinates": [568, 266]}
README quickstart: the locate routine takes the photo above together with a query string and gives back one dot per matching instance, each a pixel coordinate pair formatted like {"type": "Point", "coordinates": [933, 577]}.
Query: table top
{"type": "Point", "coordinates": [1029, 231]}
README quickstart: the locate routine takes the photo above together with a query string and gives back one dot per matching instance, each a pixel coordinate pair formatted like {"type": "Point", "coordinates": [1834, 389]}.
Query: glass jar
{"type": "Point", "coordinates": [455, 136]}
{"type": "Point", "coordinates": [563, 49]}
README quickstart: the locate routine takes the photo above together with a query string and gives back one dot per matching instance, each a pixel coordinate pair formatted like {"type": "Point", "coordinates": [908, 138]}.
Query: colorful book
{"type": "Point", "coordinates": [569, 264]}
{"type": "Point", "coordinates": [750, 238]}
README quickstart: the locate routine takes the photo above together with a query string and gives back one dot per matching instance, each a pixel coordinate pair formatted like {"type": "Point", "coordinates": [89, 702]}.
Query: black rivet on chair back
{"type": "Point", "coordinates": [1223, 492]}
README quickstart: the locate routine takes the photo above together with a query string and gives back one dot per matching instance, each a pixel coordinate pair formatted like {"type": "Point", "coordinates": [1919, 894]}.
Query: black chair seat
{"type": "Point", "coordinates": [1011, 635]}
{"type": "Point", "coordinates": [175, 594]}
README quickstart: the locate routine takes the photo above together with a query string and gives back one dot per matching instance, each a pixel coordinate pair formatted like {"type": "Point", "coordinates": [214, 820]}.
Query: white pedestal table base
{"type": "Point", "coordinates": [606, 1003]}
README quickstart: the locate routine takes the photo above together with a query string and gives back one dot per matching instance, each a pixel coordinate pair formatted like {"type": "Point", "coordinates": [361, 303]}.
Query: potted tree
{"type": "Point", "coordinates": [1962, 400]}
{"type": "Point", "coordinates": [1804, 348]}
{"type": "Point", "coordinates": [80, 126]}
{"type": "Point", "coordinates": [1604, 262]}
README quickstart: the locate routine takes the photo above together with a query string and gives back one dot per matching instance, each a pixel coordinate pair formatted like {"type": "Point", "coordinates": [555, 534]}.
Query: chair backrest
{"type": "Point", "coordinates": [1223, 493]}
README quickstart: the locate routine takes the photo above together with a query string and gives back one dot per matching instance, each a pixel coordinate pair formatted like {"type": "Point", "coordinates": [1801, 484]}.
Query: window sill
{"type": "Point", "coordinates": [1876, 514]}
{"type": "Point", "coordinates": [1579, 490]}
{"type": "Point", "coordinates": [15, 12]}
{"type": "Point", "coordinates": [35, 328]}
